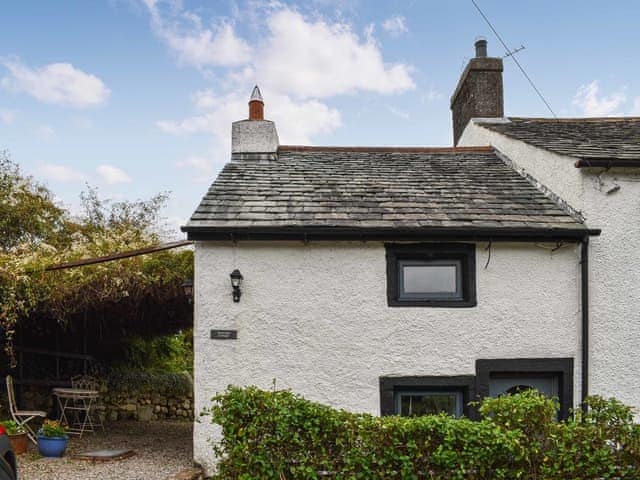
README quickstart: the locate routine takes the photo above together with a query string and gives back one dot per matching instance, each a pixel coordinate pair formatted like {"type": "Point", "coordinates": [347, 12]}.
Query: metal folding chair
{"type": "Point", "coordinates": [88, 382]}
{"type": "Point", "coordinates": [22, 417]}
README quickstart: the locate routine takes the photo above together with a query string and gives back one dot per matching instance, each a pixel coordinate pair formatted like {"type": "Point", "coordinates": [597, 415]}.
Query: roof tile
{"type": "Point", "coordinates": [588, 138]}
{"type": "Point", "coordinates": [410, 188]}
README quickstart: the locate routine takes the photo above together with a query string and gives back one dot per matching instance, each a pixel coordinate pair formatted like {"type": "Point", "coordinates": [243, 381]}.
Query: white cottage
{"type": "Point", "coordinates": [413, 280]}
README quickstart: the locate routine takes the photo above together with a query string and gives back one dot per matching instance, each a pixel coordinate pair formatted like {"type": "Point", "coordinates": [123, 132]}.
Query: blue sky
{"type": "Point", "coordinates": [137, 96]}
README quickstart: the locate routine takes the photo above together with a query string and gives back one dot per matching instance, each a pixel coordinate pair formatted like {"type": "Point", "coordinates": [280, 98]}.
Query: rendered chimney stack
{"type": "Point", "coordinates": [479, 93]}
{"type": "Point", "coordinates": [254, 138]}
{"type": "Point", "coordinates": [256, 105]}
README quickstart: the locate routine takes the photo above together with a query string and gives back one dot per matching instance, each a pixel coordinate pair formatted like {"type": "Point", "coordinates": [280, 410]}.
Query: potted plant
{"type": "Point", "coordinates": [52, 439]}
{"type": "Point", "coordinates": [17, 435]}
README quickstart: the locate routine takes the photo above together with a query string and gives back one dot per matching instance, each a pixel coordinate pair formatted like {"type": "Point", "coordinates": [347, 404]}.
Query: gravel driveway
{"type": "Point", "coordinates": [162, 449]}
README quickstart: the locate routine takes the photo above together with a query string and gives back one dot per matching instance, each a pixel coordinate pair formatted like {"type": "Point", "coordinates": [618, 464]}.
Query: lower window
{"type": "Point", "coordinates": [413, 404]}
{"type": "Point", "coordinates": [426, 395]}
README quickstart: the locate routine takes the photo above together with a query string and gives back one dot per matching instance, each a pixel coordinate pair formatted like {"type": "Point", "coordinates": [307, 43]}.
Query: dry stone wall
{"type": "Point", "coordinates": [120, 402]}
{"type": "Point", "coordinates": [146, 407]}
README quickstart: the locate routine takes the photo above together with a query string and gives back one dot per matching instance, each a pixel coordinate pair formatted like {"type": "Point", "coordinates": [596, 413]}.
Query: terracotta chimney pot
{"type": "Point", "coordinates": [256, 105]}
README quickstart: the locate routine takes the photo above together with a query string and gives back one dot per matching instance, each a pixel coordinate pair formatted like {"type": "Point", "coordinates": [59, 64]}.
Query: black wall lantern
{"type": "Point", "coordinates": [187, 288]}
{"type": "Point", "coordinates": [236, 281]}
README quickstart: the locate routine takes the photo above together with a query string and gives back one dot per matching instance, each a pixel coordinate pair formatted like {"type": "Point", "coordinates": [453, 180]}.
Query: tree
{"type": "Point", "coordinates": [28, 212]}
{"type": "Point", "coordinates": [37, 233]}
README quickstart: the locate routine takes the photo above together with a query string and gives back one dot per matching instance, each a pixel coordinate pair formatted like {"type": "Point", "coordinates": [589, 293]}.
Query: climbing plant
{"type": "Point", "coordinates": [38, 233]}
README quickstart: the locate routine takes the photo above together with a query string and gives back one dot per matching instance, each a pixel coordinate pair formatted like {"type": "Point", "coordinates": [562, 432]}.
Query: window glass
{"type": "Point", "coordinates": [503, 384]}
{"type": "Point", "coordinates": [429, 278]}
{"type": "Point", "coordinates": [411, 404]}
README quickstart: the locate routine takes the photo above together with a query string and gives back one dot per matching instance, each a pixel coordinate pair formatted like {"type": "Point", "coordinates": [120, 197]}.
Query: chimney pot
{"type": "Point", "coordinates": [256, 105]}
{"type": "Point", "coordinates": [481, 48]}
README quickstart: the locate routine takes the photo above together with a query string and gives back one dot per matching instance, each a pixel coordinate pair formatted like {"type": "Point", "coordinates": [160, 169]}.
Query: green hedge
{"type": "Point", "coordinates": [279, 435]}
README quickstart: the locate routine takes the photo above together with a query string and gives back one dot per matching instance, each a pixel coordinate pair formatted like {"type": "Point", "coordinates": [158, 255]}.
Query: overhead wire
{"type": "Point", "coordinates": [512, 55]}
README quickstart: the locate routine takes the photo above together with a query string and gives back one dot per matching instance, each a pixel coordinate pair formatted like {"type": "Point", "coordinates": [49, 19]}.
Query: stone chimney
{"type": "Point", "coordinates": [254, 138]}
{"type": "Point", "coordinates": [479, 92]}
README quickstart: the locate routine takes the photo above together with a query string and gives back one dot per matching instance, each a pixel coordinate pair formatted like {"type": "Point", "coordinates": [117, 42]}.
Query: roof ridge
{"type": "Point", "coordinates": [313, 148]}
{"type": "Point", "coordinates": [577, 119]}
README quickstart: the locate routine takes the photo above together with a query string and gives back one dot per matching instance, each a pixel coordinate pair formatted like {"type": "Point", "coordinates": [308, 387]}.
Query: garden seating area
{"type": "Point", "coordinates": [109, 430]}
{"type": "Point", "coordinates": [162, 449]}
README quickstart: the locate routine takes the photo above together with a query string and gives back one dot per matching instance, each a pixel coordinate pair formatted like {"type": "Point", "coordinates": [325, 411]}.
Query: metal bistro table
{"type": "Point", "coordinates": [79, 401]}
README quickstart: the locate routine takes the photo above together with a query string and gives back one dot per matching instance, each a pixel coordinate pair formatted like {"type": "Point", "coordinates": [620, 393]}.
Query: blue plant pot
{"type": "Point", "coordinates": [52, 446]}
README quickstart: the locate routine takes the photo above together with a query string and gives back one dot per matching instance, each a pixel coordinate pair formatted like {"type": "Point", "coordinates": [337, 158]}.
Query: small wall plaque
{"type": "Point", "coordinates": [224, 334]}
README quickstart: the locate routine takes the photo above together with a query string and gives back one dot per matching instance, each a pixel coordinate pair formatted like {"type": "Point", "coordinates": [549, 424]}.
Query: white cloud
{"type": "Point", "coordinates": [592, 105]}
{"type": "Point", "coordinates": [61, 173]}
{"type": "Point", "coordinates": [298, 121]}
{"type": "Point", "coordinates": [203, 99]}
{"type": "Point", "coordinates": [83, 123]}
{"type": "Point", "coordinates": [296, 55]}
{"type": "Point", "coordinates": [112, 175]}
{"type": "Point", "coordinates": [431, 95]}
{"type": "Point", "coordinates": [315, 59]}
{"type": "Point", "coordinates": [202, 168]}
{"type": "Point", "coordinates": [7, 116]}
{"type": "Point", "coordinates": [188, 126]}
{"type": "Point", "coordinates": [397, 112]}
{"type": "Point", "coordinates": [45, 132]}
{"type": "Point", "coordinates": [298, 62]}
{"type": "Point", "coordinates": [57, 83]}
{"type": "Point", "coordinates": [194, 44]}
{"type": "Point", "coordinates": [395, 25]}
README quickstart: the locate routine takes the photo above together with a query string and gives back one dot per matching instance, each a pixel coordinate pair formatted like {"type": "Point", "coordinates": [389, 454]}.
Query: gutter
{"type": "Point", "coordinates": [607, 163]}
{"type": "Point", "coordinates": [328, 233]}
{"type": "Point", "coordinates": [584, 273]}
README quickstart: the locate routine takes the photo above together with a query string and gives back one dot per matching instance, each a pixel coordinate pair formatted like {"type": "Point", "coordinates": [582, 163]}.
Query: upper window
{"type": "Point", "coordinates": [435, 275]}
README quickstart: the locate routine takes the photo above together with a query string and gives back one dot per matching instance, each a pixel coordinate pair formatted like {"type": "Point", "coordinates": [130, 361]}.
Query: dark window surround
{"type": "Point", "coordinates": [464, 252]}
{"type": "Point", "coordinates": [562, 367]}
{"type": "Point", "coordinates": [390, 385]}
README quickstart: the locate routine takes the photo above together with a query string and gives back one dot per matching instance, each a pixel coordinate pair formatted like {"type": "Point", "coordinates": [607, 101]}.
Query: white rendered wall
{"type": "Point", "coordinates": [615, 284]}
{"type": "Point", "coordinates": [315, 318]}
{"type": "Point", "coordinates": [614, 255]}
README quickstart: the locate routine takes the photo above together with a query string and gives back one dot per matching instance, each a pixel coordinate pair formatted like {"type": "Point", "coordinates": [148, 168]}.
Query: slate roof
{"type": "Point", "coordinates": [376, 188]}
{"type": "Point", "coordinates": [586, 138]}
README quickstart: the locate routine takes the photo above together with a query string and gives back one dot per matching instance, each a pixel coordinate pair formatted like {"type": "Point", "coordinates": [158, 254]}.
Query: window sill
{"type": "Point", "coordinates": [433, 303]}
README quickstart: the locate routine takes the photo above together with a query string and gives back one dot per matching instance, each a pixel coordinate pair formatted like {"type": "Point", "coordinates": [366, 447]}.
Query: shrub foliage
{"type": "Point", "coordinates": [279, 435]}
{"type": "Point", "coordinates": [38, 233]}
